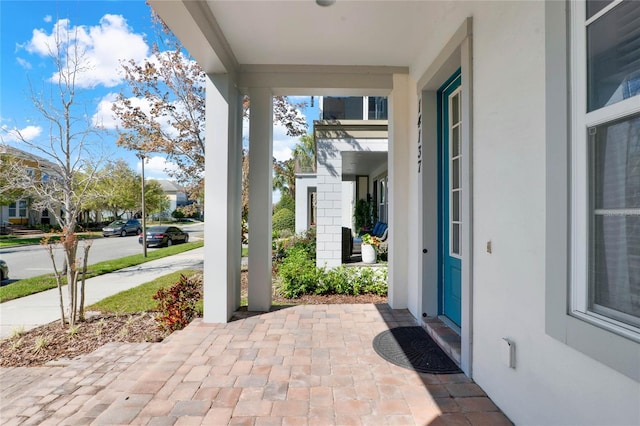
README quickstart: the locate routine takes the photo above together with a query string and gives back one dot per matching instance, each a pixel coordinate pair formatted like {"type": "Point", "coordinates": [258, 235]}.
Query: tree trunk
{"type": "Point", "coordinates": [87, 247]}
{"type": "Point", "coordinates": [49, 248]}
{"type": "Point", "coordinates": [70, 244]}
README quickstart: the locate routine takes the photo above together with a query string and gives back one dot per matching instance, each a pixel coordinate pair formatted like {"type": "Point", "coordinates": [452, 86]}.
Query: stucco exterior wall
{"type": "Point", "coordinates": [552, 383]}
{"type": "Point", "coordinates": [303, 183]}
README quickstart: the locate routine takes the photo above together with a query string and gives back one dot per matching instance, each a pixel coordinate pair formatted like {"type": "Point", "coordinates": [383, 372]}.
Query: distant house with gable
{"type": "Point", "coordinates": [22, 211]}
{"type": "Point", "coordinates": [176, 194]}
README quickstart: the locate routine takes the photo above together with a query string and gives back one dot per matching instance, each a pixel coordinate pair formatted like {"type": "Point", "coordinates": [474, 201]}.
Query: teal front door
{"type": "Point", "coordinates": [450, 197]}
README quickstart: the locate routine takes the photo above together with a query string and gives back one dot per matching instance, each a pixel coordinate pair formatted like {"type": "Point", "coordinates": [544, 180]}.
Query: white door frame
{"type": "Point", "coordinates": [457, 53]}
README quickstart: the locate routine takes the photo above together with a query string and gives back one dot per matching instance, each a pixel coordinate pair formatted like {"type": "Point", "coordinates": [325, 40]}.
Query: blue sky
{"type": "Point", "coordinates": [111, 31]}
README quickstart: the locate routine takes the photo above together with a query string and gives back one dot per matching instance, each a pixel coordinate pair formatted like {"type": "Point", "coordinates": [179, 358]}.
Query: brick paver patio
{"type": "Point", "coordinates": [304, 365]}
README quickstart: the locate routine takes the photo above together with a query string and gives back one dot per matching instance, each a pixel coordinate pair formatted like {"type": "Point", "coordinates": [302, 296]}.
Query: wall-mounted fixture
{"type": "Point", "coordinates": [325, 3]}
{"type": "Point", "coordinates": [509, 352]}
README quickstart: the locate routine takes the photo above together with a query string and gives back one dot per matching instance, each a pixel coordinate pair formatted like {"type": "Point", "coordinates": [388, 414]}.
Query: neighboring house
{"type": "Point", "coordinates": [175, 193]}
{"type": "Point", "coordinates": [351, 149]}
{"type": "Point", "coordinates": [513, 131]}
{"type": "Point", "coordinates": [22, 211]}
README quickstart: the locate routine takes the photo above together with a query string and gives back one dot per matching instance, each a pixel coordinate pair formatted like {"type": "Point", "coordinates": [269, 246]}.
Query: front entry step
{"type": "Point", "coordinates": [444, 336]}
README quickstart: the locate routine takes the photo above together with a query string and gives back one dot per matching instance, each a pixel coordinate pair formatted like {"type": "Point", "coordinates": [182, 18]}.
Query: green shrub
{"type": "Point", "coordinates": [307, 241]}
{"type": "Point", "coordinates": [286, 202]}
{"type": "Point", "coordinates": [299, 274]}
{"type": "Point", "coordinates": [285, 233]}
{"type": "Point", "coordinates": [178, 305]}
{"type": "Point", "coordinates": [363, 215]}
{"type": "Point", "coordinates": [284, 219]}
{"type": "Point", "coordinates": [335, 281]}
{"type": "Point", "coordinates": [371, 280]}
{"type": "Point", "coordinates": [353, 280]}
{"type": "Point", "coordinates": [279, 246]}
{"type": "Point", "coordinates": [177, 214]}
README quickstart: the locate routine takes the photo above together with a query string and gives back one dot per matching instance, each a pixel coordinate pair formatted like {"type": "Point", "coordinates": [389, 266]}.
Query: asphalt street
{"type": "Point", "coordinates": [33, 260]}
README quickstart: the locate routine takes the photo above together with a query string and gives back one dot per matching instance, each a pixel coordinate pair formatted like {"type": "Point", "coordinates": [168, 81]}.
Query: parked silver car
{"type": "Point", "coordinates": [122, 228]}
{"type": "Point", "coordinates": [4, 271]}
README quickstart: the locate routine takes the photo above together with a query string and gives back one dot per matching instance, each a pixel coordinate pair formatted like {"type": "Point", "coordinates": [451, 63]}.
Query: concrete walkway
{"type": "Point", "coordinates": [42, 308]}
{"type": "Point", "coordinates": [304, 365]}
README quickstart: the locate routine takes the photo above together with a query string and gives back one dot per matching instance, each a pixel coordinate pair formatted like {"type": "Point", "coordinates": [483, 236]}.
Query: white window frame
{"type": "Point", "coordinates": [595, 342]}
{"type": "Point", "coordinates": [450, 159]}
{"type": "Point", "coordinates": [581, 122]}
{"type": "Point", "coordinates": [20, 209]}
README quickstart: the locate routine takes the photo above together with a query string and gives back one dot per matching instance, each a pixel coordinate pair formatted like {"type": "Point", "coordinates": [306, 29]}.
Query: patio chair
{"type": "Point", "coordinates": [380, 230]}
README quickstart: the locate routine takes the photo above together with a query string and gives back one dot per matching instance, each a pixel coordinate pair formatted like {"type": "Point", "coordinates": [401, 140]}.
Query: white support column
{"type": "Point", "coordinates": [222, 199]}
{"type": "Point", "coordinates": [399, 182]}
{"type": "Point", "coordinates": [260, 194]}
{"type": "Point", "coordinates": [329, 211]}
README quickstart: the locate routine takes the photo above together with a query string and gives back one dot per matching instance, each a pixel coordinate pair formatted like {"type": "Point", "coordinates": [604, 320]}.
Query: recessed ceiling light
{"type": "Point", "coordinates": [325, 3]}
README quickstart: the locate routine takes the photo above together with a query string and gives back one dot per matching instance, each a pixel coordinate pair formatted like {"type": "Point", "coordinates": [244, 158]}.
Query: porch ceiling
{"type": "Point", "coordinates": [224, 36]}
{"type": "Point", "coordinates": [356, 163]}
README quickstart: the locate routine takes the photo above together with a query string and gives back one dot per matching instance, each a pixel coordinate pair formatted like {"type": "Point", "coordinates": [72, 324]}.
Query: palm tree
{"type": "Point", "coordinates": [284, 178]}
{"type": "Point", "coordinates": [304, 154]}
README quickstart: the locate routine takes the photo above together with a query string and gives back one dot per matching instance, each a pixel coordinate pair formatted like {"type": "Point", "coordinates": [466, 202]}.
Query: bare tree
{"type": "Point", "coordinates": [163, 110]}
{"type": "Point", "coordinates": [66, 159]}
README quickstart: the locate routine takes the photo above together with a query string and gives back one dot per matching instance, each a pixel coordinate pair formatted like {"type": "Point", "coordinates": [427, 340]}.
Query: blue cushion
{"type": "Point", "coordinates": [376, 228]}
{"type": "Point", "coordinates": [383, 227]}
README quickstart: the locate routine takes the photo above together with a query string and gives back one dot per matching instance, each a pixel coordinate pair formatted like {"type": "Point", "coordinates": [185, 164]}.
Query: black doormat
{"type": "Point", "coordinates": [413, 348]}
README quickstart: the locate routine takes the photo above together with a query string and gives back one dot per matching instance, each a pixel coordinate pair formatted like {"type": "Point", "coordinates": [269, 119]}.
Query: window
{"type": "Point", "coordinates": [341, 108]}
{"type": "Point", "coordinates": [18, 208]}
{"type": "Point", "coordinates": [382, 199]}
{"type": "Point", "coordinates": [455, 173]}
{"type": "Point", "coordinates": [605, 244]}
{"type": "Point", "coordinates": [377, 108]}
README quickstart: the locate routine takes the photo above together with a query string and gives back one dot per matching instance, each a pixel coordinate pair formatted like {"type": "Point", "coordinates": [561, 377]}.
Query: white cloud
{"type": "Point", "coordinates": [156, 167]}
{"type": "Point", "coordinates": [104, 116]}
{"type": "Point", "coordinates": [283, 144]}
{"type": "Point", "coordinates": [104, 46]}
{"type": "Point", "coordinates": [28, 133]}
{"type": "Point", "coordinates": [47, 18]}
{"type": "Point", "coordinates": [24, 63]}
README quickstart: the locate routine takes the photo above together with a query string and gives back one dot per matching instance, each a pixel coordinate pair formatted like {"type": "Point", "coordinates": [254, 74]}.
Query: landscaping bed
{"type": "Point", "coordinates": [52, 342]}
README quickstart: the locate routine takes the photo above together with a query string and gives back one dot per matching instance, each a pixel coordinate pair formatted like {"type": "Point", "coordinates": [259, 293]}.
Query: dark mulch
{"type": "Point", "coordinates": [54, 342]}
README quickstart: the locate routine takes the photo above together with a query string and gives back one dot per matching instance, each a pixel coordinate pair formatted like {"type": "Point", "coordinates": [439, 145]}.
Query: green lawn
{"type": "Point", "coordinates": [140, 298]}
{"type": "Point", "coordinates": [40, 283]}
{"type": "Point", "coordinates": [10, 241]}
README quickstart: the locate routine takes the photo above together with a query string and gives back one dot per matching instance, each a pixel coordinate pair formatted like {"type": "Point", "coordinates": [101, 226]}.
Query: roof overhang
{"type": "Point", "coordinates": [350, 48]}
{"type": "Point", "coordinates": [350, 129]}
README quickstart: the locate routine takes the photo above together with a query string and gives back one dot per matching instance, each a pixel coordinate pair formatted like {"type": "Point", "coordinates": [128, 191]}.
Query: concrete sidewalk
{"type": "Point", "coordinates": [42, 308]}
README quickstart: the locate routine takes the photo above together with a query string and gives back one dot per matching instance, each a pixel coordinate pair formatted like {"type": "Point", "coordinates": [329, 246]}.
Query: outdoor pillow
{"type": "Point", "coordinates": [376, 228]}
